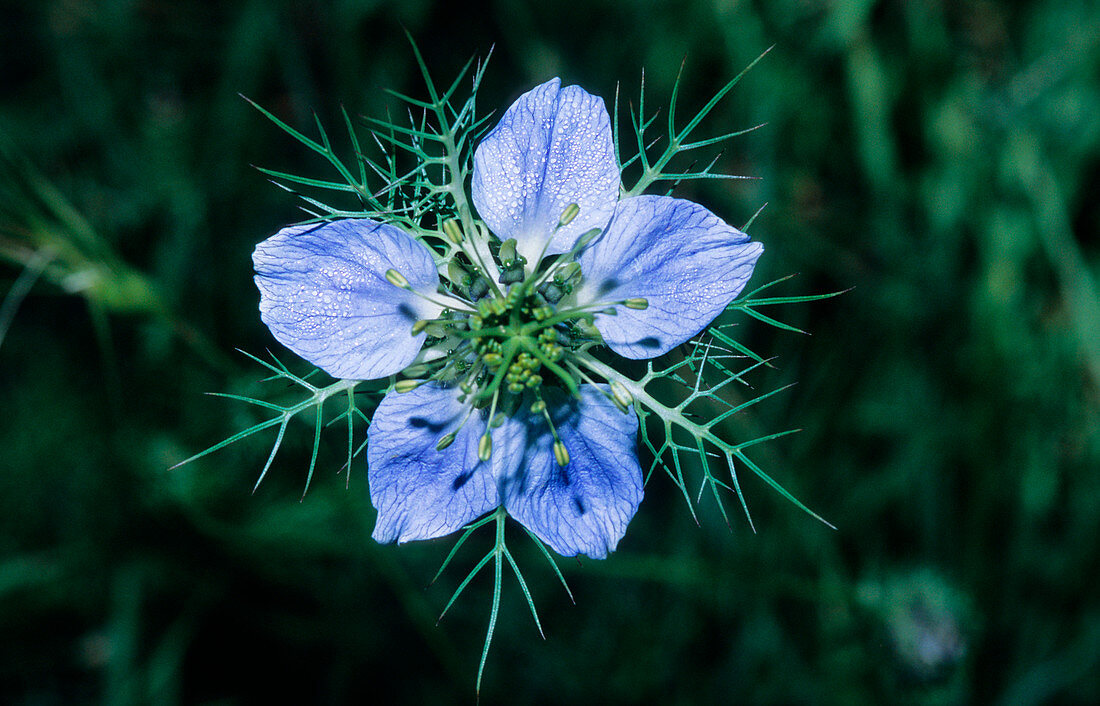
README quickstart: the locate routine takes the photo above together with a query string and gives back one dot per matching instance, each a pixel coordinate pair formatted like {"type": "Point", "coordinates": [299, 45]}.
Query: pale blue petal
{"type": "Point", "coordinates": [324, 295]}
{"type": "Point", "coordinates": [419, 492]}
{"type": "Point", "coordinates": [552, 148]}
{"type": "Point", "coordinates": [583, 508]}
{"type": "Point", "coordinates": [685, 261]}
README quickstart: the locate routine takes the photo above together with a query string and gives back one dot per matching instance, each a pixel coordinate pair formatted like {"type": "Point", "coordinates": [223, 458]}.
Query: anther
{"type": "Point", "coordinates": [404, 386]}
{"type": "Point", "coordinates": [637, 303]}
{"type": "Point", "coordinates": [585, 239]}
{"type": "Point", "coordinates": [445, 441]}
{"type": "Point", "coordinates": [485, 447]}
{"type": "Point", "coordinates": [561, 454]}
{"type": "Point", "coordinates": [419, 327]}
{"type": "Point", "coordinates": [566, 273]}
{"type": "Point", "coordinates": [621, 394]}
{"type": "Point", "coordinates": [453, 231]}
{"type": "Point", "coordinates": [568, 215]}
{"type": "Point", "coordinates": [397, 279]}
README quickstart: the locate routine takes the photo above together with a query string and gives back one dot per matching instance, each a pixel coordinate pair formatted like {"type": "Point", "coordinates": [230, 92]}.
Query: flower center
{"type": "Point", "coordinates": [507, 346]}
{"type": "Point", "coordinates": [515, 336]}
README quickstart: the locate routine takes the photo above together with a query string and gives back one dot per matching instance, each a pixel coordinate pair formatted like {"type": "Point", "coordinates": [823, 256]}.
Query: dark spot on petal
{"type": "Point", "coordinates": [578, 505]}
{"type": "Point", "coordinates": [422, 423]}
{"type": "Point", "coordinates": [608, 285]}
{"type": "Point", "coordinates": [407, 311]}
{"type": "Point", "coordinates": [461, 480]}
{"type": "Point", "coordinates": [649, 342]}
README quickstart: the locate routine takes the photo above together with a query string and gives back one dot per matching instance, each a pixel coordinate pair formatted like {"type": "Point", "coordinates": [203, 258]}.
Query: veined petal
{"type": "Point", "coordinates": [583, 508]}
{"type": "Point", "coordinates": [683, 260]}
{"type": "Point", "coordinates": [552, 148]}
{"type": "Point", "coordinates": [419, 492]}
{"type": "Point", "coordinates": [324, 295]}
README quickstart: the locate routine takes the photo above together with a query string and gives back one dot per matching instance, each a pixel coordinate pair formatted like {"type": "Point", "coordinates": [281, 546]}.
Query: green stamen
{"type": "Point", "coordinates": [568, 215]}
{"type": "Point", "coordinates": [453, 231]}
{"type": "Point", "coordinates": [397, 279]}
{"type": "Point", "coordinates": [485, 447]}
{"type": "Point", "coordinates": [403, 386]}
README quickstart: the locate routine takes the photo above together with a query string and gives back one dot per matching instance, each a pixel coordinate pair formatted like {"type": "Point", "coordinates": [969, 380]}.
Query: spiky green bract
{"type": "Point", "coordinates": [312, 405]}
{"type": "Point", "coordinates": [418, 174]}
{"type": "Point", "coordinates": [677, 140]}
{"type": "Point", "coordinates": [702, 375]}
{"type": "Point", "coordinates": [498, 554]}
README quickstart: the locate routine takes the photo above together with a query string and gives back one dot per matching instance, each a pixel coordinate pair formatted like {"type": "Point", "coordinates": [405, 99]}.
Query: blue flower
{"type": "Point", "coordinates": [486, 430]}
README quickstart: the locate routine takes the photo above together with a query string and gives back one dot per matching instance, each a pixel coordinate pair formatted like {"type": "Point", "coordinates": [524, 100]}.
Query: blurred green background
{"type": "Point", "coordinates": [942, 158]}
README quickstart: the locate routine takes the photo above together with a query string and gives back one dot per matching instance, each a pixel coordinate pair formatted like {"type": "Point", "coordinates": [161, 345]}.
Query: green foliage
{"type": "Point", "coordinates": [938, 158]}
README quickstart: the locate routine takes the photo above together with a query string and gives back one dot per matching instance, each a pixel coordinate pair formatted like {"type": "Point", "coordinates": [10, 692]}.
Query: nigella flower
{"type": "Point", "coordinates": [504, 413]}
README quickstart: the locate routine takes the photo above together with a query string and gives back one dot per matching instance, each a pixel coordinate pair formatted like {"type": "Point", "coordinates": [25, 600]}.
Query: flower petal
{"type": "Point", "coordinates": [324, 295]}
{"type": "Point", "coordinates": [552, 148]}
{"type": "Point", "coordinates": [584, 507]}
{"type": "Point", "coordinates": [419, 492]}
{"type": "Point", "coordinates": [683, 260]}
